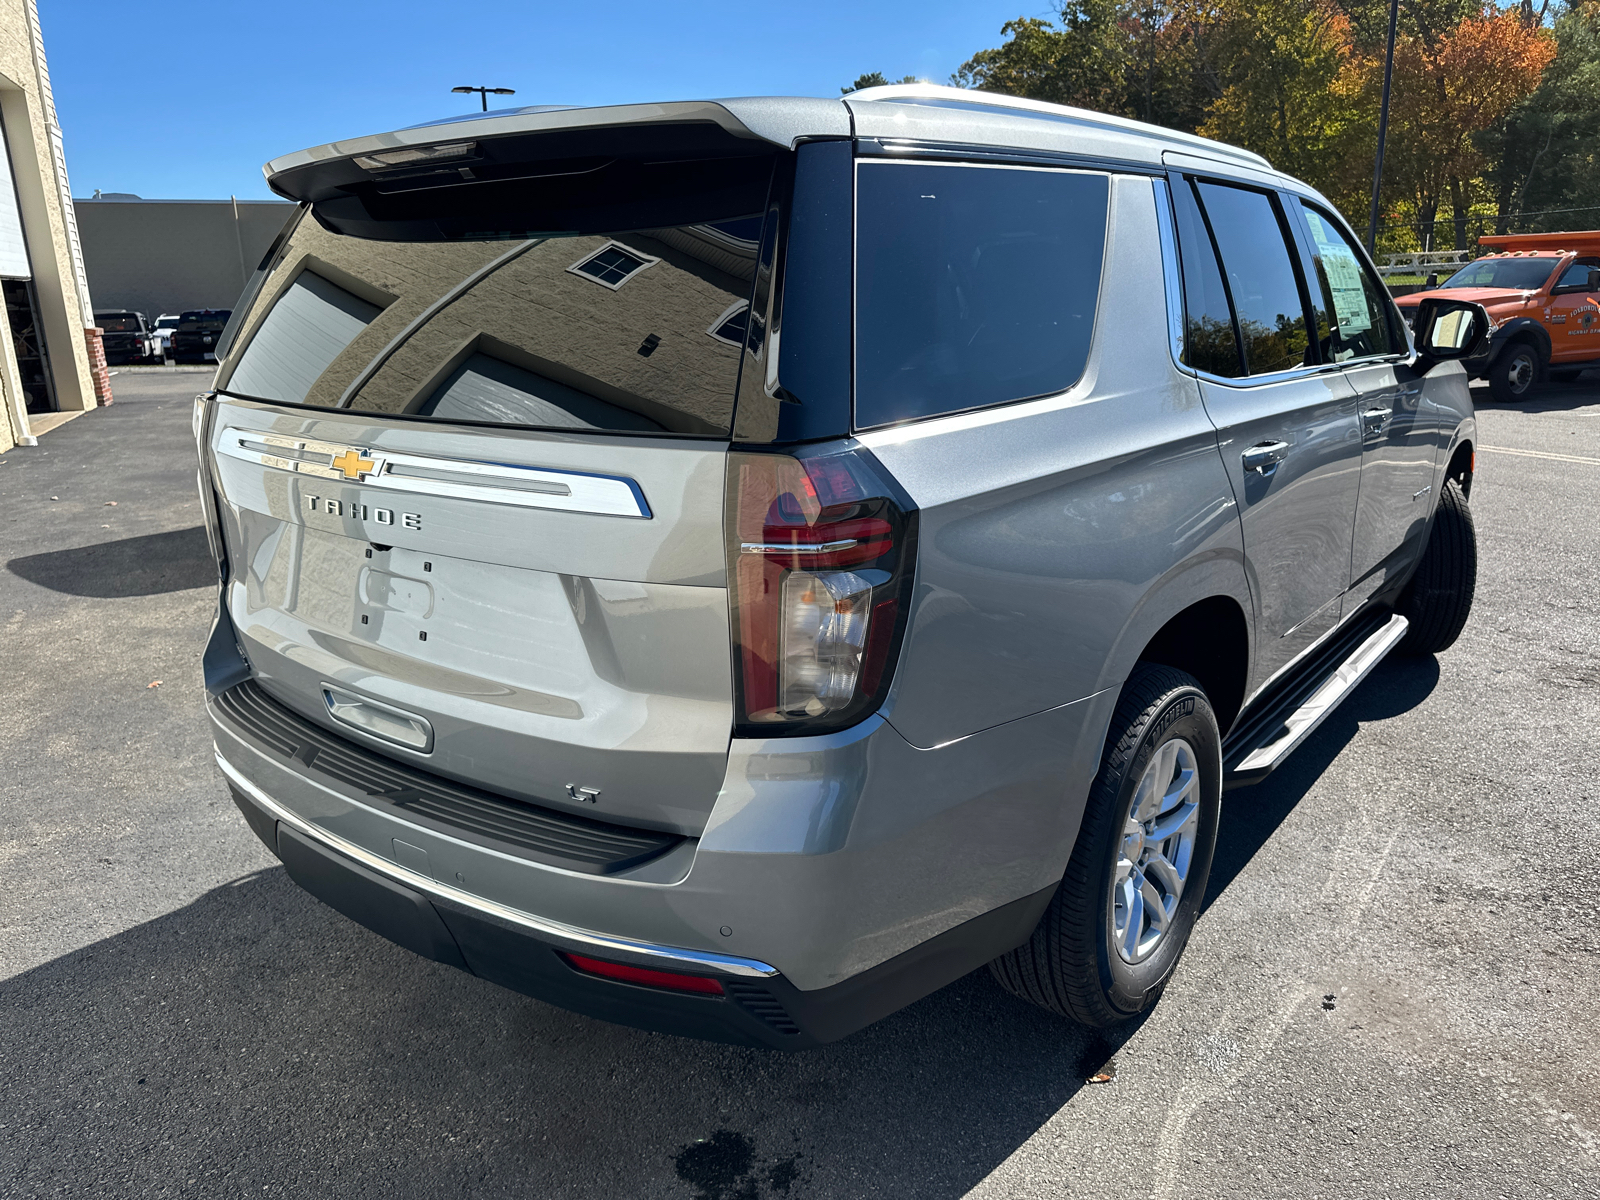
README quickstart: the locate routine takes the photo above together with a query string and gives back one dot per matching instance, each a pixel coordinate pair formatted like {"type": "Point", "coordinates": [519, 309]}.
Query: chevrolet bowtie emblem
{"type": "Point", "coordinates": [352, 464]}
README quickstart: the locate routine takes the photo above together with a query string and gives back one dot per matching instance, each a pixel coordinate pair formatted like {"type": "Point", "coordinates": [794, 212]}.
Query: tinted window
{"type": "Point", "coordinates": [1209, 343]}
{"type": "Point", "coordinates": [303, 332]}
{"type": "Point", "coordinates": [602, 330]}
{"type": "Point", "coordinates": [1523, 274]}
{"type": "Point", "coordinates": [974, 285]}
{"type": "Point", "coordinates": [1359, 303]}
{"type": "Point", "coordinates": [211, 321]}
{"type": "Point", "coordinates": [1577, 275]}
{"type": "Point", "coordinates": [1260, 277]}
{"type": "Point", "coordinates": [120, 323]}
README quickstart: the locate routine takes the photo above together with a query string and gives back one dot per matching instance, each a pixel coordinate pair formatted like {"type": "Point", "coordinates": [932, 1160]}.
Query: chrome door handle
{"type": "Point", "coordinates": [1263, 458]}
{"type": "Point", "coordinates": [1376, 420]}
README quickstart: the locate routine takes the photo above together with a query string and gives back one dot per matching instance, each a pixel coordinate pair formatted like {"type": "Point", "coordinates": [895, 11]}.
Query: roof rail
{"type": "Point", "coordinates": [1060, 112]}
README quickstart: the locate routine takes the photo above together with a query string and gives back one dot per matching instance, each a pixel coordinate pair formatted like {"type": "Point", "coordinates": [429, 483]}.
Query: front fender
{"type": "Point", "coordinates": [1519, 329]}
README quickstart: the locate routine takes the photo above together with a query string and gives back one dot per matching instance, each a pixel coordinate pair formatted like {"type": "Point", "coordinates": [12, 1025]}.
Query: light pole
{"type": "Point", "coordinates": [485, 92]}
{"type": "Point", "coordinates": [1383, 129]}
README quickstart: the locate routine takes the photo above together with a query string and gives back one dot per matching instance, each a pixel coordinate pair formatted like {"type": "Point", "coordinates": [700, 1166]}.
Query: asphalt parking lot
{"type": "Point", "coordinates": [1392, 991]}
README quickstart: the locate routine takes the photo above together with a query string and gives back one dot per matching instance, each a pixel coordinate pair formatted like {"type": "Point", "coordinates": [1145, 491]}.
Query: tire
{"type": "Point", "coordinates": [1438, 599]}
{"type": "Point", "coordinates": [1512, 375]}
{"type": "Point", "coordinates": [1072, 965]}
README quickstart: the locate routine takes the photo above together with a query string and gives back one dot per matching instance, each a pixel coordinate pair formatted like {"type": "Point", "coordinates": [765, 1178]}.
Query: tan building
{"type": "Point", "coordinates": [50, 355]}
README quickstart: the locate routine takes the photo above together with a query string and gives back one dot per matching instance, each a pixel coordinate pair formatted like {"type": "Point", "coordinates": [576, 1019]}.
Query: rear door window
{"type": "Point", "coordinates": [975, 285]}
{"type": "Point", "coordinates": [1260, 277]}
{"type": "Point", "coordinates": [1210, 342]}
{"type": "Point", "coordinates": [627, 331]}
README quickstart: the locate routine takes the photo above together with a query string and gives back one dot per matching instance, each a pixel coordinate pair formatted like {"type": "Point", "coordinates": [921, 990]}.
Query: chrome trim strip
{"type": "Point", "coordinates": [795, 548]}
{"type": "Point", "coordinates": [699, 960]}
{"type": "Point", "coordinates": [489, 482]}
{"type": "Point", "coordinates": [1301, 723]}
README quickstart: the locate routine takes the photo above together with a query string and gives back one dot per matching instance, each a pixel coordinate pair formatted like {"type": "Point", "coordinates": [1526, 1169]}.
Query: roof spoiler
{"type": "Point", "coordinates": [548, 133]}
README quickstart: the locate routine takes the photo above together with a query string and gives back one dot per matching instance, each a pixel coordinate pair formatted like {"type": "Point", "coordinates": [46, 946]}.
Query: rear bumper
{"type": "Point", "coordinates": [757, 1007]}
{"type": "Point", "coordinates": [838, 879]}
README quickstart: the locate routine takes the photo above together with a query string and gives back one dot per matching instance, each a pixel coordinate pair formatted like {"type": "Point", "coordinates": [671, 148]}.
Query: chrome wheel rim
{"type": "Point", "coordinates": [1156, 852]}
{"type": "Point", "coordinates": [1520, 374]}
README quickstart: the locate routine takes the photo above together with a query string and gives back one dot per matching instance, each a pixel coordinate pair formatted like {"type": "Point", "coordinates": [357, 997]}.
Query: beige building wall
{"type": "Point", "coordinates": [27, 113]}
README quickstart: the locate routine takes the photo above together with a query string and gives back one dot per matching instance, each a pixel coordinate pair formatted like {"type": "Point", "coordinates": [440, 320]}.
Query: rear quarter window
{"type": "Point", "coordinates": [975, 285]}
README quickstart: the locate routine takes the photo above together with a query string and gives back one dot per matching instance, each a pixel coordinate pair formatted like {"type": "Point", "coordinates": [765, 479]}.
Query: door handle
{"type": "Point", "coordinates": [1263, 458]}
{"type": "Point", "coordinates": [1376, 420]}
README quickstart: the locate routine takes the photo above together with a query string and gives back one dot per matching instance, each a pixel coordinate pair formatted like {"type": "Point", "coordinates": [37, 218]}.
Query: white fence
{"type": "Point", "coordinates": [1423, 262]}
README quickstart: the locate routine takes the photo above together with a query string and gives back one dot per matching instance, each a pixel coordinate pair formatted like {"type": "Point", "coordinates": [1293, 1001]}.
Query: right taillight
{"type": "Point", "coordinates": [820, 559]}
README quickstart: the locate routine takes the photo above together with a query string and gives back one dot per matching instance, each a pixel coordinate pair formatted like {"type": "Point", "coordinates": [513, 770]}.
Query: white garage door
{"type": "Point", "coordinates": [13, 250]}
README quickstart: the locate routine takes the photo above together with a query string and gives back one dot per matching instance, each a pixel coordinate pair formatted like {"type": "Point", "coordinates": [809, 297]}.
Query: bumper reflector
{"type": "Point", "coordinates": [643, 976]}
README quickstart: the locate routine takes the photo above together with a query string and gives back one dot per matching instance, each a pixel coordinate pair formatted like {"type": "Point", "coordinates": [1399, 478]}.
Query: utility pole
{"type": "Point", "coordinates": [1383, 129]}
{"type": "Point", "coordinates": [485, 92]}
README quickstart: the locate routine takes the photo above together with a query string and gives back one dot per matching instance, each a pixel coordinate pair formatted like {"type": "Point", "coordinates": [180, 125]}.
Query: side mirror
{"type": "Point", "coordinates": [1449, 329]}
{"type": "Point", "coordinates": [1594, 279]}
{"type": "Point", "coordinates": [1432, 282]}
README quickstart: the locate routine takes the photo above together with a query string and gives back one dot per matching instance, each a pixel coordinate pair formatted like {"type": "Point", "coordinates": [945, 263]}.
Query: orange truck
{"type": "Point", "coordinates": [1542, 293]}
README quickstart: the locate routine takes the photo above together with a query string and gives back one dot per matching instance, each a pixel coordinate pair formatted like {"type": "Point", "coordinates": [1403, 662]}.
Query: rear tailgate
{"type": "Point", "coordinates": [573, 657]}
{"type": "Point", "coordinates": [472, 472]}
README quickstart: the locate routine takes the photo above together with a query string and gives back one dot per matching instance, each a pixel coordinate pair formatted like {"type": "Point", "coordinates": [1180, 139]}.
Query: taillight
{"type": "Point", "coordinates": [820, 561]}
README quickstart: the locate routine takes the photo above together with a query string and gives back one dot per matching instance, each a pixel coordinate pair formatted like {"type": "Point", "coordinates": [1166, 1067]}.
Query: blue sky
{"type": "Point", "coordinates": [179, 101]}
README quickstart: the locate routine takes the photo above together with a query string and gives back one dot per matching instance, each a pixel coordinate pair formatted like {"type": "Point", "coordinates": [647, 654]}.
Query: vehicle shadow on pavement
{"type": "Point", "coordinates": [1250, 816]}
{"type": "Point", "coordinates": [151, 565]}
{"type": "Point", "coordinates": [257, 1039]}
{"type": "Point", "coordinates": [1548, 397]}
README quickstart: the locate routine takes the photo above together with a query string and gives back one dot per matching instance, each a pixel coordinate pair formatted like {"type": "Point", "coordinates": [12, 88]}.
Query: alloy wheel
{"type": "Point", "coordinates": [1157, 850]}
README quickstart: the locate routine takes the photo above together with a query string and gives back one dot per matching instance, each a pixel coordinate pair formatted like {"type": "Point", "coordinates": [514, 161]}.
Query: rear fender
{"type": "Point", "coordinates": [1219, 573]}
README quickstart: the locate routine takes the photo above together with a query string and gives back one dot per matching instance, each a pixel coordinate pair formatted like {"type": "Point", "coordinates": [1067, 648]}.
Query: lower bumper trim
{"type": "Point", "coordinates": [766, 1011]}
{"type": "Point", "coordinates": [669, 957]}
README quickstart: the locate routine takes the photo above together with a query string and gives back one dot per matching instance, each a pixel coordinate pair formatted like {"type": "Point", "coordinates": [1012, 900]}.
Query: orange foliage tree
{"type": "Point", "coordinates": [1447, 89]}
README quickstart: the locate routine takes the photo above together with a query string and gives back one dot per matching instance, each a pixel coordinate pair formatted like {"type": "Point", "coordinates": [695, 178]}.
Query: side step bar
{"type": "Point", "coordinates": [1291, 712]}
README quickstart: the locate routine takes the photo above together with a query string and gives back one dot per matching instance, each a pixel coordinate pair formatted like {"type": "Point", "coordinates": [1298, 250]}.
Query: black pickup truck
{"type": "Point", "coordinates": [126, 337]}
{"type": "Point", "coordinates": [199, 329]}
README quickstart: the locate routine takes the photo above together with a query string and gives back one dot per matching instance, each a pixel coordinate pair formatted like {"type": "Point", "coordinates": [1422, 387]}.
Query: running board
{"type": "Point", "coordinates": [1294, 709]}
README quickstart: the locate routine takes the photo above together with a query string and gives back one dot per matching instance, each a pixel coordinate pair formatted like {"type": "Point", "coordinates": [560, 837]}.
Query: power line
{"type": "Point", "coordinates": [1481, 217]}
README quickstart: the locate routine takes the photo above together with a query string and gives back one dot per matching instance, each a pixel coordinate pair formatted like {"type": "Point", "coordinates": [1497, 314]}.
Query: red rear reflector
{"type": "Point", "coordinates": [645, 977]}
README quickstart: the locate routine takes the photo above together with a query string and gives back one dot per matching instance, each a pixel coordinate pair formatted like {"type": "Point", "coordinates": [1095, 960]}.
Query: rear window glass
{"type": "Point", "coordinates": [211, 322]}
{"type": "Point", "coordinates": [975, 286]}
{"type": "Point", "coordinates": [118, 323]}
{"type": "Point", "coordinates": [637, 330]}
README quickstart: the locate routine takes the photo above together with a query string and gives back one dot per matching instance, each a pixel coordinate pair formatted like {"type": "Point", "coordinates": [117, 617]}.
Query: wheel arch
{"type": "Point", "coordinates": [1199, 619]}
{"type": "Point", "coordinates": [1523, 329]}
{"type": "Point", "coordinates": [1462, 465]}
{"type": "Point", "coordinates": [1210, 640]}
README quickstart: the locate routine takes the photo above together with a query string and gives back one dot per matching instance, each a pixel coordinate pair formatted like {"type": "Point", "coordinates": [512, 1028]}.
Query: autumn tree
{"type": "Point", "coordinates": [1448, 89]}
{"type": "Point", "coordinates": [1545, 152]}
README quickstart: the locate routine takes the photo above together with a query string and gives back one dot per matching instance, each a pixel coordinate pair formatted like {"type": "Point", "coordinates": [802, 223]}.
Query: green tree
{"type": "Point", "coordinates": [875, 79]}
{"type": "Point", "coordinates": [1280, 100]}
{"type": "Point", "coordinates": [1545, 153]}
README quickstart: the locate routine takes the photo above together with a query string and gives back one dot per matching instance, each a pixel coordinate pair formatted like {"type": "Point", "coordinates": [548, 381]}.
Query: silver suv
{"type": "Point", "coordinates": [735, 567]}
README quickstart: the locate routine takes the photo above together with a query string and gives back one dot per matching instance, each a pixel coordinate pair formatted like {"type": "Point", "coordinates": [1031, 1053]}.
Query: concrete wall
{"type": "Point", "coordinates": [163, 256]}
{"type": "Point", "coordinates": [27, 112]}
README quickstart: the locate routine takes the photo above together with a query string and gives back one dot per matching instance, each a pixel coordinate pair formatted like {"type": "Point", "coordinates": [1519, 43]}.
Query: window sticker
{"type": "Point", "coordinates": [1344, 279]}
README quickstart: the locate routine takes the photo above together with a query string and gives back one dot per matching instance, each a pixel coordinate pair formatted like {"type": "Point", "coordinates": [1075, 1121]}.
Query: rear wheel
{"type": "Point", "coordinates": [1513, 374]}
{"type": "Point", "coordinates": [1113, 933]}
{"type": "Point", "coordinates": [1439, 597]}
